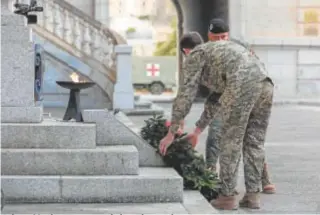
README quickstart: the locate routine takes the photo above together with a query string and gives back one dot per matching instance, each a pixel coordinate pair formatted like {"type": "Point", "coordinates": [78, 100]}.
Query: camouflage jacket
{"type": "Point", "coordinates": [246, 45]}
{"type": "Point", "coordinates": [242, 43]}
{"type": "Point", "coordinates": [225, 68]}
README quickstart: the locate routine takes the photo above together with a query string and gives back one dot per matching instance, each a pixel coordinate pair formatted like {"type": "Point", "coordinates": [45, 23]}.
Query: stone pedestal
{"type": "Point", "coordinates": [123, 96]}
{"type": "Point", "coordinates": [17, 70]}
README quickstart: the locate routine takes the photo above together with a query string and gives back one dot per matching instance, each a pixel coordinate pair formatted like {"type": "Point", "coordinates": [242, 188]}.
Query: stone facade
{"type": "Point", "coordinates": [277, 35]}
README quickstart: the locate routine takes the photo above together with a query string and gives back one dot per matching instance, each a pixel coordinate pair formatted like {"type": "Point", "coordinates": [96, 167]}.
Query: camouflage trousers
{"type": "Point", "coordinates": [246, 135]}
{"type": "Point", "coordinates": [213, 149]}
{"type": "Point", "coordinates": [212, 142]}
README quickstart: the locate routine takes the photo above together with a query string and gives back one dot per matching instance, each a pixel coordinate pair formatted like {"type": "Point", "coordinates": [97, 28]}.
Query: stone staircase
{"type": "Point", "coordinates": [100, 165]}
{"type": "Point", "coordinates": [83, 37]}
{"type": "Point", "coordinates": [60, 162]}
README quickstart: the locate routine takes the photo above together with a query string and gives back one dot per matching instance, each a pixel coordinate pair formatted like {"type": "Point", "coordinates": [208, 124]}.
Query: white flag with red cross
{"type": "Point", "coordinates": [153, 70]}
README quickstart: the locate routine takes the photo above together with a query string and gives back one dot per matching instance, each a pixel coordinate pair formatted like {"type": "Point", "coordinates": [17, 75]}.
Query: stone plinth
{"type": "Point", "coordinates": [21, 114]}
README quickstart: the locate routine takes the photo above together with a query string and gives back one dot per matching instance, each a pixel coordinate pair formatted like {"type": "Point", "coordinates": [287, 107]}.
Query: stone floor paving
{"type": "Point", "coordinates": [292, 148]}
{"type": "Point", "coordinates": [295, 172]}
{"type": "Point", "coordinates": [95, 209]}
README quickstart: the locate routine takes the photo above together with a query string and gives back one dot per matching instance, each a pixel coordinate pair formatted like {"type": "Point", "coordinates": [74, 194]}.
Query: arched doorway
{"type": "Point", "coordinates": [195, 16]}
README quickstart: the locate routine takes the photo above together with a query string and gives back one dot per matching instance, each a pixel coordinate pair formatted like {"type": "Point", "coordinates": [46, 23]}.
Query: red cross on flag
{"type": "Point", "coordinates": [153, 70]}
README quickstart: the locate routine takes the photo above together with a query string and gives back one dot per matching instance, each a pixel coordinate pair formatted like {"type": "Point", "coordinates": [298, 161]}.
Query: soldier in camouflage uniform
{"type": "Point", "coordinates": [231, 71]}
{"type": "Point", "coordinates": [187, 42]}
{"type": "Point", "coordinates": [219, 30]}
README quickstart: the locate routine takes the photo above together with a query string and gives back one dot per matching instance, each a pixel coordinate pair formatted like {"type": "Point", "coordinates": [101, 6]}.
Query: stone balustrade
{"type": "Point", "coordinates": [88, 38]}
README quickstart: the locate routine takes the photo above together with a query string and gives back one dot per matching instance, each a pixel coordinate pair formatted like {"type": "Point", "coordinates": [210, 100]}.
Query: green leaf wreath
{"type": "Point", "coordinates": [183, 158]}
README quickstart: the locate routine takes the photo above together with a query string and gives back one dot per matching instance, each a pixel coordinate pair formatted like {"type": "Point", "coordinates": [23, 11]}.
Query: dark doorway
{"type": "Point", "coordinates": [197, 14]}
{"type": "Point", "coordinates": [194, 15]}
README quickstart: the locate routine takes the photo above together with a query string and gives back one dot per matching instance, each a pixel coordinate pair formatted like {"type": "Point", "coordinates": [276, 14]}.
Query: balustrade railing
{"type": "Point", "coordinates": [86, 38]}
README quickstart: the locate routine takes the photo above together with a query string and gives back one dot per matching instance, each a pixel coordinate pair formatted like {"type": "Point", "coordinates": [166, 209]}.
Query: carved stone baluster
{"type": "Point", "coordinates": [106, 50]}
{"type": "Point", "coordinates": [77, 34]}
{"type": "Point", "coordinates": [58, 21]}
{"type": "Point", "coordinates": [96, 45]}
{"type": "Point", "coordinates": [112, 53]}
{"type": "Point", "coordinates": [48, 15]}
{"type": "Point", "coordinates": [67, 28]}
{"type": "Point", "coordinates": [87, 39]}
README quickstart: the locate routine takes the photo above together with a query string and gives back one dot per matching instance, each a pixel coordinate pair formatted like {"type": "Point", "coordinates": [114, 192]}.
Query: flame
{"type": "Point", "coordinates": [75, 77]}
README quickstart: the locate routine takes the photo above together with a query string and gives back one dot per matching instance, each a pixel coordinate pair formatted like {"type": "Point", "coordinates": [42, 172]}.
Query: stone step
{"type": "Point", "coordinates": [48, 134]}
{"type": "Point", "coordinates": [151, 185]}
{"type": "Point", "coordinates": [104, 160]}
{"type": "Point", "coordinates": [193, 203]}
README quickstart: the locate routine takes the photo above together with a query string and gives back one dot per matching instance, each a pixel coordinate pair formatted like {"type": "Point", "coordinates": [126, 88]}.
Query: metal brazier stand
{"type": "Point", "coordinates": [73, 110]}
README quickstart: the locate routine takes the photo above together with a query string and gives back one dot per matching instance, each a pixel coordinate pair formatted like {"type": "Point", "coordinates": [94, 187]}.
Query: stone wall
{"type": "Point", "coordinates": [86, 6]}
{"type": "Point", "coordinates": [271, 26]}
{"type": "Point", "coordinates": [272, 18]}
{"type": "Point", "coordinates": [98, 9]}
{"type": "Point", "coordinates": [295, 69]}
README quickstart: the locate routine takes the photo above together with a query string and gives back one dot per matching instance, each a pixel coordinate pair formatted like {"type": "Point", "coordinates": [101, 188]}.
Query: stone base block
{"type": "Point", "coordinates": [151, 185]}
{"type": "Point", "coordinates": [107, 160]}
{"type": "Point", "coordinates": [21, 114]}
{"type": "Point", "coordinates": [48, 134]}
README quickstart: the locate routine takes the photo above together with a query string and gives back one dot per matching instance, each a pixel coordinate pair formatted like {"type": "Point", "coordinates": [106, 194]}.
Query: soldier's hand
{"type": "Point", "coordinates": [165, 143]}
{"type": "Point", "coordinates": [193, 137]}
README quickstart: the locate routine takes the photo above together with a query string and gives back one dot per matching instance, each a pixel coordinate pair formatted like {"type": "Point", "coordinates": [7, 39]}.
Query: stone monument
{"type": "Point", "coordinates": [50, 161]}
{"type": "Point", "coordinates": [17, 70]}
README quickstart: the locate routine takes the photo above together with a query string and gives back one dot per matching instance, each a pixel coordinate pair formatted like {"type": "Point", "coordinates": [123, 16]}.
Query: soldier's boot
{"type": "Point", "coordinates": [225, 203]}
{"type": "Point", "coordinates": [250, 200]}
{"type": "Point", "coordinates": [267, 186]}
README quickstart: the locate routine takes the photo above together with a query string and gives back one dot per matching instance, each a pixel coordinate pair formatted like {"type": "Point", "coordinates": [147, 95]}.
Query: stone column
{"type": "Point", "coordinates": [123, 96]}
{"type": "Point", "coordinates": [17, 70]}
